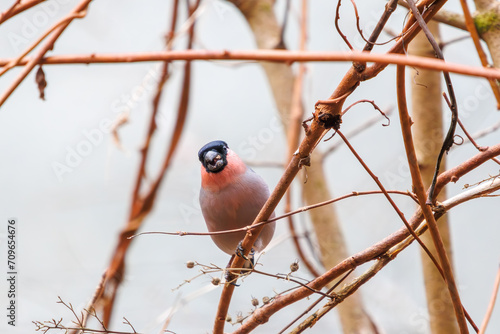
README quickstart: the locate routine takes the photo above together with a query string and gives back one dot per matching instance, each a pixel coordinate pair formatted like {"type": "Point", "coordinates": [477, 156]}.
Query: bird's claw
{"type": "Point", "coordinates": [231, 278]}
{"type": "Point", "coordinates": [240, 251]}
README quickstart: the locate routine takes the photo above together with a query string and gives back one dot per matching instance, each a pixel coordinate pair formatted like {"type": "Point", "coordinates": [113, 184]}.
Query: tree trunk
{"type": "Point", "coordinates": [487, 20]}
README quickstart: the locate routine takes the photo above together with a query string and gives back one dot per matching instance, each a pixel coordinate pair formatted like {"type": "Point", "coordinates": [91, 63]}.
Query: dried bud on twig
{"type": "Point", "coordinates": [190, 264]}
{"type": "Point", "coordinates": [216, 281]}
{"type": "Point", "coordinates": [40, 81]}
{"type": "Point", "coordinates": [294, 267]}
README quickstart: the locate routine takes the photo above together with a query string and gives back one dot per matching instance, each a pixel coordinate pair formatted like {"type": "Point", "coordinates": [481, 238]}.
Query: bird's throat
{"type": "Point", "coordinates": [232, 171]}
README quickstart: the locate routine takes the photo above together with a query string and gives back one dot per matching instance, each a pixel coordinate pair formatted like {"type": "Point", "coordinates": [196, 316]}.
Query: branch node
{"type": "Point", "coordinates": [329, 121]}
{"type": "Point", "coordinates": [306, 161]}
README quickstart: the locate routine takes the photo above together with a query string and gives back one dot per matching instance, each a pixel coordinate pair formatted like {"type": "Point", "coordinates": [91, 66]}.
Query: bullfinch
{"type": "Point", "coordinates": [231, 196]}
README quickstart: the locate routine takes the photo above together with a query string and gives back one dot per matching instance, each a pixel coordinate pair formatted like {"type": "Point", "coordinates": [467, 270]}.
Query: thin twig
{"type": "Point", "coordinates": [356, 131]}
{"type": "Point", "coordinates": [390, 7]}
{"type": "Point", "coordinates": [288, 278]}
{"type": "Point", "coordinates": [337, 18]}
{"type": "Point", "coordinates": [317, 301]}
{"type": "Point", "coordinates": [374, 105]}
{"type": "Point", "coordinates": [473, 142]}
{"type": "Point", "coordinates": [491, 304]}
{"type": "Point", "coordinates": [443, 44]}
{"type": "Point", "coordinates": [48, 45]}
{"type": "Point", "coordinates": [485, 132]}
{"type": "Point", "coordinates": [286, 215]}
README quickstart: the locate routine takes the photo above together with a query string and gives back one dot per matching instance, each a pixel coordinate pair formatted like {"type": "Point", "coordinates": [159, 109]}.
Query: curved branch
{"type": "Point", "coordinates": [418, 185]}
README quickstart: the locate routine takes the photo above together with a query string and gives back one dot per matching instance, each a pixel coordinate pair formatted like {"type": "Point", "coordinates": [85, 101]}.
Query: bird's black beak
{"type": "Point", "coordinates": [214, 161]}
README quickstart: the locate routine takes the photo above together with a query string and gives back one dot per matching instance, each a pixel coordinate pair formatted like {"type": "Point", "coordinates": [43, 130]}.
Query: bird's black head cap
{"type": "Point", "coordinates": [213, 156]}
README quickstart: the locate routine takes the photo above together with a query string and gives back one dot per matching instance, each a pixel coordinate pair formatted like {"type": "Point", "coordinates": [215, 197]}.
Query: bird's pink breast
{"type": "Point", "coordinates": [217, 181]}
{"type": "Point", "coordinates": [231, 199]}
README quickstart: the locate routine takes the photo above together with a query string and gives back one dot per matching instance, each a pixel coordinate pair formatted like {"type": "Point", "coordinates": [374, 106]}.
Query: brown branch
{"type": "Point", "coordinates": [420, 191]}
{"type": "Point", "coordinates": [444, 16]}
{"type": "Point", "coordinates": [390, 7]}
{"type": "Point", "coordinates": [17, 8]}
{"type": "Point", "coordinates": [285, 56]}
{"type": "Point", "coordinates": [48, 45]}
{"type": "Point", "coordinates": [337, 18]}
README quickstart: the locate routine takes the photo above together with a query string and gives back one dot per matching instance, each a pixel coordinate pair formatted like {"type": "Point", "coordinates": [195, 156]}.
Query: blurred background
{"type": "Point", "coordinates": [68, 222]}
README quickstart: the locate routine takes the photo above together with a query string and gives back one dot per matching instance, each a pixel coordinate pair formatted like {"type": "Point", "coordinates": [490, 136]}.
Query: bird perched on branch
{"type": "Point", "coordinates": [231, 196]}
